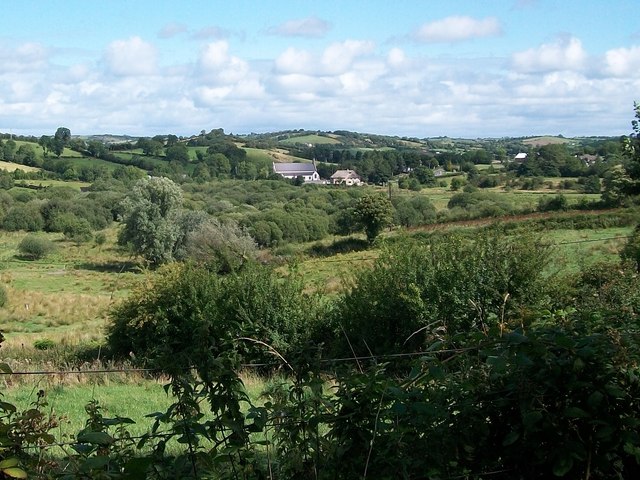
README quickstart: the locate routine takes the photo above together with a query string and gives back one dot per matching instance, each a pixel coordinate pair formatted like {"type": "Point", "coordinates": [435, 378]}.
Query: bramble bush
{"type": "Point", "coordinates": [34, 247]}
{"type": "Point", "coordinates": [447, 285]}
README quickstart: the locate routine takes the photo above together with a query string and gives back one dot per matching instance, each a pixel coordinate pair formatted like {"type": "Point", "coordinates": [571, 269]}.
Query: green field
{"type": "Point", "coordinates": [92, 162]}
{"type": "Point", "coordinates": [312, 139]}
{"type": "Point", "coordinates": [67, 152]}
{"type": "Point", "coordinates": [76, 185]}
{"type": "Point", "coordinates": [65, 296]}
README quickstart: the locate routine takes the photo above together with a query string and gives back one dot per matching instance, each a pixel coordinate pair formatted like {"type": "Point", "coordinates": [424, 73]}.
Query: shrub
{"type": "Point", "coordinates": [74, 228]}
{"type": "Point", "coordinates": [186, 315]}
{"type": "Point", "coordinates": [224, 247]}
{"type": "Point", "coordinates": [449, 285]}
{"type": "Point", "coordinates": [556, 203]}
{"type": "Point", "coordinates": [44, 344]}
{"type": "Point", "coordinates": [34, 247]}
{"type": "Point", "coordinates": [414, 211]}
{"type": "Point", "coordinates": [23, 217]}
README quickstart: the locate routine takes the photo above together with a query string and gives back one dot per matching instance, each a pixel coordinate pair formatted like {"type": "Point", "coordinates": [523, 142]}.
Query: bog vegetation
{"type": "Point", "coordinates": [481, 323]}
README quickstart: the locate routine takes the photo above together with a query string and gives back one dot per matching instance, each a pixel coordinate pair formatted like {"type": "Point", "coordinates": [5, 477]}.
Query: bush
{"type": "Point", "coordinates": [23, 217]}
{"type": "Point", "coordinates": [449, 285]}
{"type": "Point", "coordinates": [74, 228]}
{"type": "Point", "coordinates": [553, 204]}
{"type": "Point", "coordinates": [44, 344]}
{"type": "Point", "coordinates": [414, 211]}
{"type": "Point", "coordinates": [187, 315]}
{"type": "Point", "coordinates": [34, 247]}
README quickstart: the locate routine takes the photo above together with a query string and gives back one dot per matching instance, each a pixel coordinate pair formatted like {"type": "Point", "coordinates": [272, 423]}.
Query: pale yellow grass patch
{"type": "Point", "coordinates": [10, 167]}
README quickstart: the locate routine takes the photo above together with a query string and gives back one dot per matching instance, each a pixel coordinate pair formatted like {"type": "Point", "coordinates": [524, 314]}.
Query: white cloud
{"type": "Point", "coordinates": [211, 33]}
{"type": "Point", "coordinates": [29, 56]}
{"type": "Point", "coordinates": [350, 84]}
{"type": "Point", "coordinates": [623, 62]}
{"type": "Point", "coordinates": [131, 57]}
{"type": "Point", "coordinates": [171, 30]}
{"type": "Point", "coordinates": [338, 57]}
{"type": "Point", "coordinates": [563, 54]}
{"type": "Point", "coordinates": [294, 60]}
{"type": "Point", "coordinates": [396, 58]}
{"type": "Point", "coordinates": [218, 65]}
{"type": "Point", "coordinates": [303, 27]}
{"type": "Point", "coordinates": [458, 28]}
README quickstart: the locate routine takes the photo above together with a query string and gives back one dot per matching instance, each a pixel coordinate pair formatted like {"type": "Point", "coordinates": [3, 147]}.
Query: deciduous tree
{"type": "Point", "coordinates": [373, 212]}
{"type": "Point", "coordinates": [151, 219]}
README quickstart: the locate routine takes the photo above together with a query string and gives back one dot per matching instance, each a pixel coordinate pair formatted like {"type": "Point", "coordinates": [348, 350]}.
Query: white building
{"type": "Point", "coordinates": [307, 171]}
{"type": "Point", "coordinates": [346, 177]}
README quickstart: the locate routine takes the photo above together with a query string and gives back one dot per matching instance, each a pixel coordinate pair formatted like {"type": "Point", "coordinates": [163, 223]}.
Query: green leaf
{"type": "Point", "coordinates": [9, 462]}
{"type": "Point", "coordinates": [14, 472]}
{"type": "Point", "coordinates": [511, 438]}
{"type": "Point", "coordinates": [117, 421]}
{"type": "Point", "coordinates": [595, 399]}
{"type": "Point", "coordinates": [137, 468]}
{"type": "Point", "coordinates": [96, 438]}
{"type": "Point", "coordinates": [7, 407]}
{"type": "Point", "coordinates": [562, 466]}
{"type": "Point", "coordinates": [94, 463]}
{"type": "Point", "coordinates": [5, 368]}
{"type": "Point", "coordinates": [498, 363]}
{"type": "Point", "coordinates": [530, 419]}
{"type": "Point", "coordinates": [576, 412]}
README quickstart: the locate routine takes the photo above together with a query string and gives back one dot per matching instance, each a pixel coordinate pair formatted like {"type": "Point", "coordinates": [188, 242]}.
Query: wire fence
{"type": "Point", "coordinates": [275, 364]}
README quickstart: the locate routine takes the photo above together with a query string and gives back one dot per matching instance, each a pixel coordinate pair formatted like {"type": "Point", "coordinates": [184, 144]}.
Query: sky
{"type": "Point", "coordinates": [415, 68]}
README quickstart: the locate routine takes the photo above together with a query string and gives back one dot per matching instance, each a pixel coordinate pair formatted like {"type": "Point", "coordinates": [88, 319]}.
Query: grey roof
{"type": "Point", "coordinates": [291, 168]}
{"type": "Point", "coordinates": [345, 174]}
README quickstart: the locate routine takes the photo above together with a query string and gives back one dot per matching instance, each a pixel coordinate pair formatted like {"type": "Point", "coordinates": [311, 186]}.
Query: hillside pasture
{"type": "Point", "coordinates": [92, 162]}
{"type": "Point", "coordinates": [311, 139]}
{"type": "Point", "coordinates": [76, 185]}
{"type": "Point", "coordinates": [277, 155]}
{"type": "Point", "coordinates": [65, 295]}
{"type": "Point", "coordinates": [67, 152]}
{"type": "Point", "coordinates": [545, 140]}
{"type": "Point", "coordinates": [10, 167]}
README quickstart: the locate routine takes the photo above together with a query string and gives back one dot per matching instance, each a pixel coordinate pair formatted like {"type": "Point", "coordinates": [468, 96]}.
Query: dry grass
{"type": "Point", "coordinates": [10, 167]}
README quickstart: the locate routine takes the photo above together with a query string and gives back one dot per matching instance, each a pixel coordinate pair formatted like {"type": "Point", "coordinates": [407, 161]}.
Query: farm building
{"type": "Point", "coordinates": [294, 170]}
{"type": "Point", "coordinates": [346, 177]}
{"type": "Point", "coordinates": [520, 157]}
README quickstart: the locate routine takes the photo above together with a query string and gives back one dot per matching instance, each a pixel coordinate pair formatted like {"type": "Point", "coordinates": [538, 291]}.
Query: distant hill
{"type": "Point", "coordinates": [108, 138]}
{"type": "Point", "coordinates": [546, 140]}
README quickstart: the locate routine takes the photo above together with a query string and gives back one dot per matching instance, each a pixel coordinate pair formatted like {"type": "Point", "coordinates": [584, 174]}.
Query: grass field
{"type": "Point", "coordinates": [65, 296]}
{"type": "Point", "coordinates": [545, 140]}
{"type": "Point", "coordinates": [277, 155]}
{"type": "Point", "coordinates": [127, 395]}
{"type": "Point", "coordinates": [10, 167]}
{"type": "Point", "coordinates": [571, 250]}
{"type": "Point", "coordinates": [92, 162]}
{"type": "Point", "coordinates": [312, 139]}
{"type": "Point", "coordinates": [77, 185]}
{"type": "Point", "coordinates": [67, 152]}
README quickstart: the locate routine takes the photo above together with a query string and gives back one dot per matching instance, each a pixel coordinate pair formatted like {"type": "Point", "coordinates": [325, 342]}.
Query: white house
{"type": "Point", "coordinates": [307, 171]}
{"type": "Point", "coordinates": [346, 177]}
{"type": "Point", "coordinates": [520, 157]}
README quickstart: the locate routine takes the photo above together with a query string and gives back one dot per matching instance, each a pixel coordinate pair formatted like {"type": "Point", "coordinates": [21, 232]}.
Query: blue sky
{"type": "Point", "coordinates": [466, 68]}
